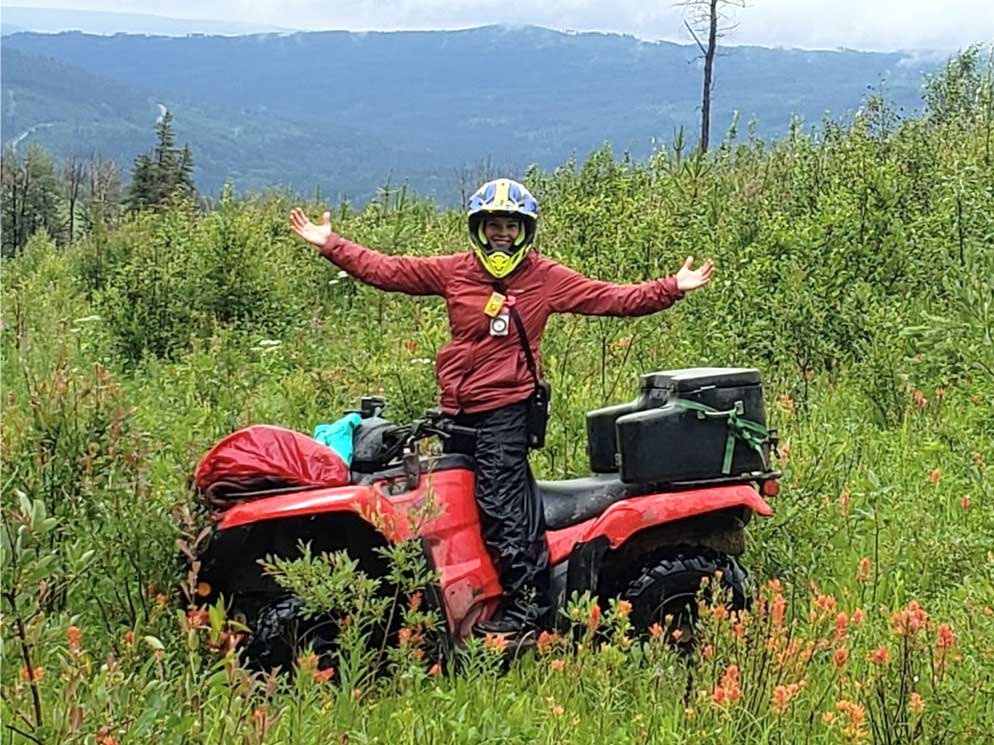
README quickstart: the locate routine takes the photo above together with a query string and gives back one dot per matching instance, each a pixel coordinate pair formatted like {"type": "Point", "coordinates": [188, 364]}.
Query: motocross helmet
{"type": "Point", "coordinates": [502, 198]}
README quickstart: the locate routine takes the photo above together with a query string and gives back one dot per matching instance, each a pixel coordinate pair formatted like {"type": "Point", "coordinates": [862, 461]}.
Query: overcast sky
{"type": "Point", "coordinates": [813, 24]}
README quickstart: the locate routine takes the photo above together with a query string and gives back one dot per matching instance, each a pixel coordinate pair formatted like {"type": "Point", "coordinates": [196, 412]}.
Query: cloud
{"type": "Point", "coordinates": [819, 24]}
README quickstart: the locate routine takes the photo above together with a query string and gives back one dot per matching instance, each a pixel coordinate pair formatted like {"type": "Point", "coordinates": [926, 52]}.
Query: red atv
{"type": "Point", "coordinates": [678, 474]}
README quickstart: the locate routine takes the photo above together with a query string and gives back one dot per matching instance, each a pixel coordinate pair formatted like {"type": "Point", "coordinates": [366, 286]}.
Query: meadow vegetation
{"type": "Point", "coordinates": [855, 269]}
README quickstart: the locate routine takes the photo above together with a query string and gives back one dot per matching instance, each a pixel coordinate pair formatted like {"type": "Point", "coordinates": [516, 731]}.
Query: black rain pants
{"type": "Point", "coordinates": [510, 508]}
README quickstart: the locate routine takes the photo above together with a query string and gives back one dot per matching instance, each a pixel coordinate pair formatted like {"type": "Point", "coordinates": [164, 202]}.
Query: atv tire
{"type": "Point", "coordinates": [281, 633]}
{"type": "Point", "coordinates": [668, 586]}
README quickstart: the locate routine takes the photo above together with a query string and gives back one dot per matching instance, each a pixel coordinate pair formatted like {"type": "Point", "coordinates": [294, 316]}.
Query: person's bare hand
{"type": "Point", "coordinates": [303, 227]}
{"type": "Point", "coordinates": [688, 279]}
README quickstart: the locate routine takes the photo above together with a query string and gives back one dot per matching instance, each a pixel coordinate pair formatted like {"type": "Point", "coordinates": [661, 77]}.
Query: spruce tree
{"type": "Point", "coordinates": [163, 171]}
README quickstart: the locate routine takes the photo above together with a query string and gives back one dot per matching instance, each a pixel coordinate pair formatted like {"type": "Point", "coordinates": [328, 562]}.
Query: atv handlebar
{"type": "Point", "coordinates": [448, 427]}
{"type": "Point", "coordinates": [434, 422]}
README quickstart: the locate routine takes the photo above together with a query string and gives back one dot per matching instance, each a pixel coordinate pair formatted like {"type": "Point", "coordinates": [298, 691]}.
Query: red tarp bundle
{"type": "Point", "coordinates": [262, 458]}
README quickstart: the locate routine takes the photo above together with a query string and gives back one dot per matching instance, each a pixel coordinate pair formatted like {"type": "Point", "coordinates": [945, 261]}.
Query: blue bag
{"type": "Point", "coordinates": [338, 435]}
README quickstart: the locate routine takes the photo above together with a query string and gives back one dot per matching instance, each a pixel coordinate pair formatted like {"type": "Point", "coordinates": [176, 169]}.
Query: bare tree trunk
{"type": "Point", "coordinates": [707, 15]}
{"type": "Point", "coordinates": [708, 68]}
{"type": "Point", "coordinates": [23, 229]}
{"type": "Point", "coordinates": [73, 175]}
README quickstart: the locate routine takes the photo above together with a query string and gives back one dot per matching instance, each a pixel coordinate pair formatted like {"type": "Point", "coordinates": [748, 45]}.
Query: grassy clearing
{"type": "Point", "coordinates": [854, 272]}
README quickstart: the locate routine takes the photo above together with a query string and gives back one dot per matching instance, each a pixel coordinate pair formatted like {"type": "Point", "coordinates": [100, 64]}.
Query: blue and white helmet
{"type": "Point", "coordinates": [502, 198]}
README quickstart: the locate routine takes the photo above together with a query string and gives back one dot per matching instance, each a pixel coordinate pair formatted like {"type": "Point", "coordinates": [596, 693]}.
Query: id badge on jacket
{"type": "Point", "coordinates": [500, 316]}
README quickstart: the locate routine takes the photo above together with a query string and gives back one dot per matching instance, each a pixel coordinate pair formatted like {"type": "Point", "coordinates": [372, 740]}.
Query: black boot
{"type": "Point", "coordinates": [514, 618]}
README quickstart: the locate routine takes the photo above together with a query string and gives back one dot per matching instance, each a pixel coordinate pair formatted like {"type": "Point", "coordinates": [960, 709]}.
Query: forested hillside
{"type": "Point", "coordinates": [853, 269]}
{"type": "Point", "coordinates": [345, 112]}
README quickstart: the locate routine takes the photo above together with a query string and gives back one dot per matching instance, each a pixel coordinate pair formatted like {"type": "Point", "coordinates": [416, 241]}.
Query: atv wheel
{"type": "Point", "coordinates": [281, 633]}
{"type": "Point", "coordinates": [669, 587]}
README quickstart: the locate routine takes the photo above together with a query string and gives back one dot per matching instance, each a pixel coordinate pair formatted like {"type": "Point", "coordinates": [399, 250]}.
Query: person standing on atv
{"type": "Point", "coordinates": [486, 379]}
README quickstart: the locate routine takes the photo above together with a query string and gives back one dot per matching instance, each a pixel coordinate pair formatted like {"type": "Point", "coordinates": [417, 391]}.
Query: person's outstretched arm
{"type": "Point", "coordinates": [415, 275]}
{"type": "Point", "coordinates": [571, 292]}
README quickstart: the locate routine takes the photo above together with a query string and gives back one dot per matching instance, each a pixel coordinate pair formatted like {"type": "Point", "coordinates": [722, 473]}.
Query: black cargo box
{"type": "Point", "coordinates": [659, 439]}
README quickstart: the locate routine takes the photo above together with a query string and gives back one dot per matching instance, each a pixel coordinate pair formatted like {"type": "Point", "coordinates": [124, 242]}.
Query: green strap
{"type": "Point", "coordinates": [751, 433]}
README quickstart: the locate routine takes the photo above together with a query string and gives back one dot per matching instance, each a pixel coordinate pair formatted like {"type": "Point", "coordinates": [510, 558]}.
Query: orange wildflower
{"type": "Point", "coordinates": [919, 398]}
{"type": "Point", "coordinates": [778, 610]}
{"type": "Point", "coordinates": [845, 501]}
{"type": "Point", "coordinates": [946, 638]}
{"type": "Point", "coordinates": [322, 676]}
{"type": "Point", "coordinates": [909, 620]}
{"type": "Point", "coordinates": [495, 643]}
{"type": "Point", "coordinates": [197, 618]}
{"type": "Point", "coordinates": [978, 460]}
{"type": "Point", "coordinates": [435, 670]}
{"type": "Point", "coordinates": [857, 617]}
{"type": "Point", "coordinates": [307, 662]}
{"type": "Point", "coordinates": [879, 656]}
{"type": "Point", "coordinates": [404, 635]}
{"type": "Point", "coordinates": [707, 651]}
{"type": "Point", "coordinates": [720, 612]}
{"type": "Point", "coordinates": [545, 641]}
{"type": "Point", "coordinates": [775, 585]}
{"type": "Point", "coordinates": [964, 502]}
{"type": "Point", "coordinates": [558, 665]}
{"type": "Point", "coordinates": [828, 717]}
{"type": "Point", "coordinates": [788, 653]}
{"type": "Point", "coordinates": [841, 626]}
{"type": "Point", "coordinates": [75, 639]}
{"type": "Point", "coordinates": [917, 703]}
{"type": "Point", "coordinates": [623, 608]}
{"type": "Point", "coordinates": [840, 657]}
{"type": "Point", "coordinates": [35, 675]}
{"type": "Point", "coordinates": [594, 619]}
{"type": "Point", "coordinates": [728, 688]}
{"type": "Point", "coordinates": [826, 603]}
{"type": "Point", "coordinates": [414, 602]}
{"type": "Point", "coordinates": [856, 716]}
{"type": "Point", "coordinates": [655, 631]}
{"type": "Point", "coordinates": [677, 633]}
{"type": "Point", "coordinates": [935, 476]}
{"type": "Point", "coordinates": [786, 402]}
{"type": "Point", "coordinates": [782, 696]}
{"type": "Point", "coordinates": [863, 572]}
{"type": "Point", "coordinates": [940, 392]}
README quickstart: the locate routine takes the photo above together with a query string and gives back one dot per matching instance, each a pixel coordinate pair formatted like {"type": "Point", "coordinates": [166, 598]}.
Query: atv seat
{"type": "Point", "coordinates": [575, 500]}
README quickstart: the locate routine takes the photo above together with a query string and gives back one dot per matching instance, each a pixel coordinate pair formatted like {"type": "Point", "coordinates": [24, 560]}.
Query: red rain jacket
{"type": "Point", "coordinates": [476, 371]}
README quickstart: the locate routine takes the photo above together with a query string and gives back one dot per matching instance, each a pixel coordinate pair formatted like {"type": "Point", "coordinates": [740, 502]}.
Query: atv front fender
{"type": "Point", "coordinates": [358, 499]}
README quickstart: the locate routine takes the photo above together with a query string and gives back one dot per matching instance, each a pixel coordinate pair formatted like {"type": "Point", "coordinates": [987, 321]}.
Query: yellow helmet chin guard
{"type": "Point", "coordinates": [502, 197]}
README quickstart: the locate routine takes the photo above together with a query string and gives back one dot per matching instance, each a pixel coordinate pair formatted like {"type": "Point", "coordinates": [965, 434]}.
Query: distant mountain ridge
{"type": "Point", "coordinates": [55, 20]}
{"type": "Point", "coordinates": [344, 111]}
